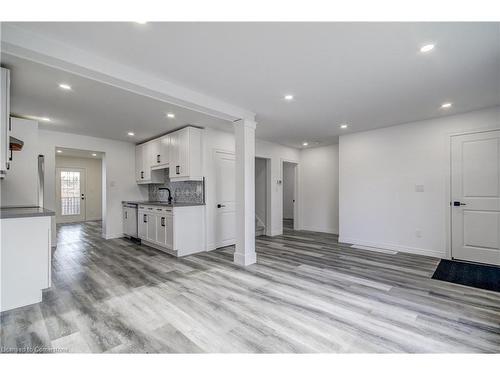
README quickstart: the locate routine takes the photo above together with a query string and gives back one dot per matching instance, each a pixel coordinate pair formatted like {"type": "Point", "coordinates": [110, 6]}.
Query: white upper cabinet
{"type": "Point", "coordinates": [185, 156]}
{"type": "Point", "coordinates": [179, 151]}
{"type": "Point", "coordinates": [160, 152]}
{"type": "Point", "coordinates": [4, 120]}
{"type": "Point", "coordinates": [144, 156]}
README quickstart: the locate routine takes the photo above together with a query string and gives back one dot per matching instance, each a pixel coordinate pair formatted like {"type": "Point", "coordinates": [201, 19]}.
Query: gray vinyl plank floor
{"type": "Point", "coordinates": [307, 293]}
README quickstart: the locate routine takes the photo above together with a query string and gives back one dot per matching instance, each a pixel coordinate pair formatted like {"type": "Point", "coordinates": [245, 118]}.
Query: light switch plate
{"type": "Point", "coordinates": [419, 188]}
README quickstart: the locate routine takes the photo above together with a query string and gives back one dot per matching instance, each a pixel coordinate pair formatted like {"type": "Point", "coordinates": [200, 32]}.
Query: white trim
{"type": "Point", "coordinates": [399, 248]}
{"type": "Point", "coordinates": [320, 229]}
{"type": "Point", "coordinates": [297, 221]}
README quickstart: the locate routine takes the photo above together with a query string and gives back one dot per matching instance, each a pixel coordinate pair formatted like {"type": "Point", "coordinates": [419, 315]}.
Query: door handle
{"type": "Point", "coordinates": [162, 221]}
{"type": "Point", "coordinates": [457, 204]}
{"type": "Point", "coordinates": [221, 205]}
{"type": "Point", "coordinates": [177, 169]}
{"type": "Point", "coordinates": [145, 218]}
{"type": "Point", "coordinates": [126, 216]}
{"type": "Point", "coordinates": [83, 197]}
{"type": "Point", "coordinates": [142, 174]}
{"type": "Point", "coordinates": [158, 158]}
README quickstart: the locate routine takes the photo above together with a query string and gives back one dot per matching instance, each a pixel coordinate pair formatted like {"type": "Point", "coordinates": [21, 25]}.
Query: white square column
{"type": "Point", "coordinates": [244, 131]}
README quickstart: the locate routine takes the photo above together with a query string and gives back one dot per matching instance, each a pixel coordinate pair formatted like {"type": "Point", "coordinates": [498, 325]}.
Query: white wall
{"type": "Point", "coordinates": [288, 190]}
{"type": "Point", "coordinates": [93, 183]}
{"type": "Point", "coordinates": [319, 184]}
{"type": "Point", "coordinates": [260, 189]}
{"type": "Point", "coordinates": [378, 173]}
{"type": "Point", "coordinates": [20, 186]}
{"type": "Point", "coordinates": [118, 167]}
{"type": "Point", "coordinates": [218, 140]}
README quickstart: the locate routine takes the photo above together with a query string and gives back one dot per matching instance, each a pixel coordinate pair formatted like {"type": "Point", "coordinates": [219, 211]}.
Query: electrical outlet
{"type": "Point", "coordinates": [418, 233]}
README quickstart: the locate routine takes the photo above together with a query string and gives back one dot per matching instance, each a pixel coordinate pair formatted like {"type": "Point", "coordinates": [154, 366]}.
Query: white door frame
{"type": "Point", "coordinates": [296, 193]}
{"type": "Point", "coordinates": [268, 218]}
{"type": "Point", "coordinates": [83, 208]}
{"type": "Point", "coordinates": [449, 247]}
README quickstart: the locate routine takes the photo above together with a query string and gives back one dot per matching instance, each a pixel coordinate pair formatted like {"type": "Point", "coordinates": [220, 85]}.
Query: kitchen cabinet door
{"type": "Point", "coordinates": [174, 154]}
{"type": "Point", "coordinates": [146, 160]}
{"type": "Point", "coordinates": [161, 229]}
{"type": "Point", "coordinates": [143, 225]}
{"type": "Point", "coordinates": [169, 231]}
{"type": "Point", "coordinates": [151, 227]}
{"type": "Point", "coordinates": [4, 119]}
{"type": "Point", "coordinates": [155, 152]}
{"type": "Point", "coordinates": [164, 153]}
{"type": "Point", "coordinates": [139, 171]}
{"type": "Point", "coordinates": [182, 164]}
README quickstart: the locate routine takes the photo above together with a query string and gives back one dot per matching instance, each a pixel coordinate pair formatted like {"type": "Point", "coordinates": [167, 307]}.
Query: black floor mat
{"type": "Point", "coordinates": [470, 274]}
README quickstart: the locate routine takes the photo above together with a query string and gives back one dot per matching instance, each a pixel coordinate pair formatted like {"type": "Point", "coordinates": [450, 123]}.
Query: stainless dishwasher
{"type": "Point", "coordinates": [130, 219]}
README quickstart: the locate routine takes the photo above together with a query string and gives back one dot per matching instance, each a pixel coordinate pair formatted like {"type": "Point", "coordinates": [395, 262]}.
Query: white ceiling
{"type": "Point", "coordinates": [93, 108]}
{"type": "Point", "coordinates": [75, 153]}
{"type": "Point", "coordinates": [369, 75]}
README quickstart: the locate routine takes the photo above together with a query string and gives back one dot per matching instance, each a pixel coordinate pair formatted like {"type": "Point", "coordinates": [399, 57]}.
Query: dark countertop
{"type": "Point", "coordinates": [165, 204]}
{"type": "Point", "coordinates": [14, 212]}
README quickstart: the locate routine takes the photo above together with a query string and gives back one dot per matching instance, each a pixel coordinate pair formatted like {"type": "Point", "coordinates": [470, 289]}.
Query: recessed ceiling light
{"type": "Point", "coordinates": [170, 115]}
{"type": "Point", "coordinates": [141, 22]}
{"type": "Point", "coordinates": [131, 134]}
{"type": "Point", "coordinates": [59, 151]}
{"type": "Point", "coordinates": [446, 105]}
{"type": "Point", "coordinates": [343, 126]}
{"type": "Point", "coordinates": [427, 48]}
{"type": "Point", "coordinates": [94, 154]}
{"type": "Point", "coordinates": [288, 97]}
{"type": "Point", "coordinates": [305, 144]}
{"type": "Point", "coordinates": [64, 86]}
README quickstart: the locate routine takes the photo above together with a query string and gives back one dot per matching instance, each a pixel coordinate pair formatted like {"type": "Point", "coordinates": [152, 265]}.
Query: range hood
{"type": "Point", "coordinates": [15, 144]}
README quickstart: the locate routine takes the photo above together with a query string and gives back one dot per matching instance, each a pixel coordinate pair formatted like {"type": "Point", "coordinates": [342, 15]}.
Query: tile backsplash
{"type": "Point", "coordinates": [182, 191]}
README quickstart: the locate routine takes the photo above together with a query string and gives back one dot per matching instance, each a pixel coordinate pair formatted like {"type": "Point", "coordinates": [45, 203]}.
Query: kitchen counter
{"type": "Point", "coordinates": [25, 250]}
{"type": "Point", "coordinates": [165, 204]}
{"type": "Point", "coordinates": [14, 212]}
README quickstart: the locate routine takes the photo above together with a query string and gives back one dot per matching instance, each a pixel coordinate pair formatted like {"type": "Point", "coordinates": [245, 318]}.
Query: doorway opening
{"type": "Point", "coordinates": [79, 185]}
{"type": "Point", "coordinates": [262, 197]}
{"type": "Point", "coordinates": [289, 182]}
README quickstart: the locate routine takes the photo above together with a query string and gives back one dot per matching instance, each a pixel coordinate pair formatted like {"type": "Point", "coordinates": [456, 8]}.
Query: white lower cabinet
{"type": "Point", "coordinates": [164, 229]}
{"type": "Point", "coordinates": [176, 230]}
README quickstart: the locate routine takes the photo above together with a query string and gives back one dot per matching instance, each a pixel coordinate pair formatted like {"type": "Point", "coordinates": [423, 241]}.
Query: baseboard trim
{"type": "Point", "coordinates": [399, 248]}
{"type": "Point", "coordinates": [322, 230]}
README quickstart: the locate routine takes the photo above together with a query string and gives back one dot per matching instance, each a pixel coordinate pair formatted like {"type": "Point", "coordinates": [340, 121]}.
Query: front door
{"type": "Point", "coordinates": [225, 226]}
{"type": "Point", "coordinates": [70, 194]}
{"type": "Point", "coordinates": [475, 193]}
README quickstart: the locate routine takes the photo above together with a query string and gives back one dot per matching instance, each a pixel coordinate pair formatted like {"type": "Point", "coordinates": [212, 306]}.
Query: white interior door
{"type": "Point", "coordinates": [475, 192]}
{"type": "Point", "coordinates": [225, 226]}
{"type": "Point", "coordinates": [70, 195]}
